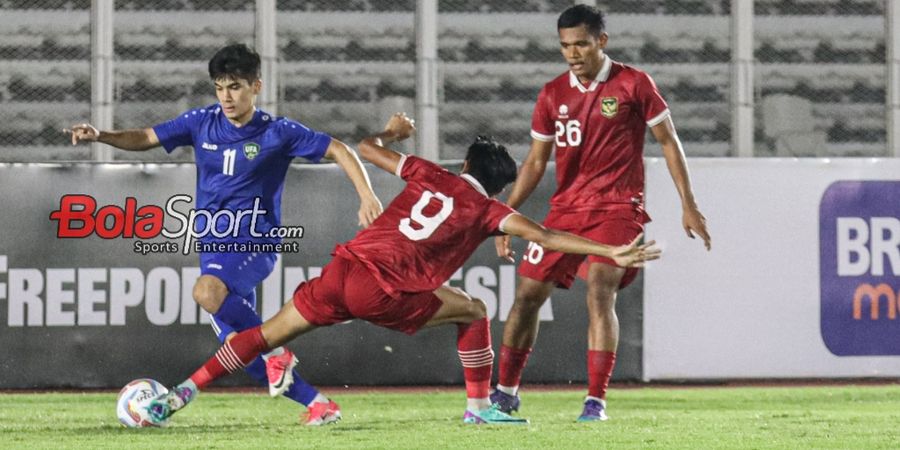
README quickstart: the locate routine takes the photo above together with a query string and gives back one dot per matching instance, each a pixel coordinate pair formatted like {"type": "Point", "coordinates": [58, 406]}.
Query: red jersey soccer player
{"type": "Point", "coordinates": [596, 114]}
{"type": "Point", "coordinates": [392, 273]}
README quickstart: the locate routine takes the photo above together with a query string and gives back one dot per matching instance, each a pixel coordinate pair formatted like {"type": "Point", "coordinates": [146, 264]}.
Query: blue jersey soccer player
{"type": "Point", "coordinates": [242, 156]}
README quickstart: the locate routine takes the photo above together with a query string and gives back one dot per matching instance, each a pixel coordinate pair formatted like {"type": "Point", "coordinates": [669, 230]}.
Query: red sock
{"type": "Point", "coordinates": [231, 357]}
{"type": "Point", "coordinates": [473, 343]}
{"type": "Point", "coordinates": [512, 363]}
{"type": "Point", "coordinates": [600, 369]}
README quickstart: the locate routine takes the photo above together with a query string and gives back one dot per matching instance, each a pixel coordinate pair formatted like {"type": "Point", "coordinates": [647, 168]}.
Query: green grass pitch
{"type": "Point", "coordinates": [842, 417]}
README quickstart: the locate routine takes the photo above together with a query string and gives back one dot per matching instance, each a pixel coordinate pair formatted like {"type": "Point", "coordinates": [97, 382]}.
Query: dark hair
{"type": "Point", "coordinates": [235, 61]}
{"type": "Point", "coordinates": [490, 164]}
{"type": "Point", "coordinates": [589, 16]}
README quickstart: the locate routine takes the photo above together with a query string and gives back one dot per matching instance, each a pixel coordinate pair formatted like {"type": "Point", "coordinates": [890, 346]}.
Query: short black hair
{"type": "Point", "coordinates": [235, 61]}
{"type": "Point", "coordinates": [589, 16]}
{"type": "Point", "coordinates": [490, 164]}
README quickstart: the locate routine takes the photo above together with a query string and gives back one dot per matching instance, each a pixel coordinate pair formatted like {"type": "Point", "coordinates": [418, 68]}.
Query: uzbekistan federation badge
{"type": "Point", "coordinates": [609, 107]}
{"type": "Point", "coordinates": [251, 149]}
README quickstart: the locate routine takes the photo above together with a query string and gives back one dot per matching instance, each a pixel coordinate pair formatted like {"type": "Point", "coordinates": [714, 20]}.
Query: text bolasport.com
{"type": "Point", "coordinates": [78, 217]}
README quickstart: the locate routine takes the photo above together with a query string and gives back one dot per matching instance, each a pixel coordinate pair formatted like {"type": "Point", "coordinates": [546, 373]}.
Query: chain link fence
{"type": "Point", "coordinates": [498, 54]}
{"type": "Point", "coordinates": [495, 57]}
{"type": "Point", "coordinates": [820, 78]}
{"type": "Point", "coordinates": [45, 78]}
{"type": "Point", "coordinates": [685, 45]}
{"type": "Point", "coordinates": [345, 65]}
{"type": "Point", "coordinates": [162, 48]}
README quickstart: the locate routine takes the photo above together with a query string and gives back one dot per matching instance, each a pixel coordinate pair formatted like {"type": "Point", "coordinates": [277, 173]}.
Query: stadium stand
{"type": "Point", "coordinates": [44, 79]}
{"type": "Point", "coordinates": [338, 57]}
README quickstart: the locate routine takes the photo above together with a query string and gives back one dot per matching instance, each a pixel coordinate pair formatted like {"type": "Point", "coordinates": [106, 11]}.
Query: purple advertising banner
{"type": "Point", "coordinates": [859, 241]}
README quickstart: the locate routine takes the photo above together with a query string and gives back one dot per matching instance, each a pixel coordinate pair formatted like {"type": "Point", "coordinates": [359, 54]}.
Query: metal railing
{"type": "Point", "coordinates": [761, 78]}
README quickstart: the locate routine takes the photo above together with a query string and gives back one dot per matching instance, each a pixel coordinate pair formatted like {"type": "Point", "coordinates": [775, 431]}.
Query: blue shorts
{"type": "Point", "coordinates": [241, 272]}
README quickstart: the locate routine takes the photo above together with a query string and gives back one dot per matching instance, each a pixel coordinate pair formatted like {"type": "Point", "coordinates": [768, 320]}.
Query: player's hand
{"type": "Point", "coordinates": [369, 210]}
{"type": "Point", "coordinates": [694, 222]}
{"type": "Point", "coordinates": [634, 254]}
{"type": "Point", "coordinates": [400, 126]}
{"type": "Point", "coordinates": [504, 250]}
{"type": "Point", "coordinates": [83, 132]}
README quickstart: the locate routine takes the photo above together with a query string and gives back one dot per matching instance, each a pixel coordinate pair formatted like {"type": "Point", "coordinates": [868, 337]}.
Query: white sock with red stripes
{"type": "Point", "coordinates": [231, 357]}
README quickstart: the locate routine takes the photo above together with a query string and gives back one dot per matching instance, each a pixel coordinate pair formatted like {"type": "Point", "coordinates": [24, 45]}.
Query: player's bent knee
{"type": "Point", "coordinates": [529, 301]}
{"type": "Point", "coordinates": [208, 296]}
{"type": "Point", "coordinates": [531, 294]}
{"type": "Point", "coordinates": [604, 277]}
{"type": "Point", "coordinates": [477, 309]}
{"type": "Point", "coordinates": [205, 299]}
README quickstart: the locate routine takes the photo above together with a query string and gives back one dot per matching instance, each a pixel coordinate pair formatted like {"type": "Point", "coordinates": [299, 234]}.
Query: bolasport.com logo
{"type": "Point", "coordinates": [197, 230]}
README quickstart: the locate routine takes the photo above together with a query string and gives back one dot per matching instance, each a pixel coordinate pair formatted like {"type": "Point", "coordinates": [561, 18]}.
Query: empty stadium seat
{"type": "Point", "coordinates": [788, 120]}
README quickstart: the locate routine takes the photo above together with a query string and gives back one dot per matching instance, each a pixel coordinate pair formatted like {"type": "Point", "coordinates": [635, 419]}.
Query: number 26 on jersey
{"type": "Point", "coordinates": [568, 133]}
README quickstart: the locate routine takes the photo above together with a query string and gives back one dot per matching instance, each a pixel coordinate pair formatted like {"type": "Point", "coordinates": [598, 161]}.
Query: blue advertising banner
{"type": "Point", "coordinates": [859, 232]}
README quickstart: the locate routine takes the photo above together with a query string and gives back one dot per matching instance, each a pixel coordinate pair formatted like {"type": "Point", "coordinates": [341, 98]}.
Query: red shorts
{"type": "Point", "coordinates": [611, 227]}
{"type": "Point", "coordinates": [346, 290]}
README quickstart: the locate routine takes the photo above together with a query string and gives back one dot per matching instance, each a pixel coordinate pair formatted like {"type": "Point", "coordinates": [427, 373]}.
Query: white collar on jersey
{"type": "Point", "coordinates": [601, 76]}
{"type": "Point", "coordinates": [475, 184]}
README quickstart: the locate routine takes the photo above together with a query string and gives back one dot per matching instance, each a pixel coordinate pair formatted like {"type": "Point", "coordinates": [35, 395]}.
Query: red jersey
{"type": "Point", "coordinates": [428, 231]}
{"type": "Point", "coordinates": [599, 135]}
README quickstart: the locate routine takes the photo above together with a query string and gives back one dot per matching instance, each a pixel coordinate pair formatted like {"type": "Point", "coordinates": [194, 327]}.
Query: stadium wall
{"type": "Point", "coordinates": [802, 280]}
{"type": "Point", "coordinates": [92, 312]}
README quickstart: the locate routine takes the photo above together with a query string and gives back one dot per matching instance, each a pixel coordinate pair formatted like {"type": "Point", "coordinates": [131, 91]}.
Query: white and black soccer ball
{"type": "Point", "coordinates": [131, 406]}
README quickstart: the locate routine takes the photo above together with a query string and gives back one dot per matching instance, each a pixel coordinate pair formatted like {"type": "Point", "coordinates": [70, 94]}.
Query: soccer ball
{"type": "Point", "coordinates": [133, 400]}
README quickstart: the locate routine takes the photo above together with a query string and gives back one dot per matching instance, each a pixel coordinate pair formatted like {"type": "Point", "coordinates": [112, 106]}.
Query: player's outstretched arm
{"type": "Point", "coordinates": [631, 255]}
{"type": "Point", "coordinates": [530, 175]}
{"type": "Point", "coordinates": [372, 148]}
{"type": "Point", "coordinates": [692, 220]}
{"type": "Point", "coordinates": [369, 204]}
{"type": "Point", "coordinates": [133, 140]}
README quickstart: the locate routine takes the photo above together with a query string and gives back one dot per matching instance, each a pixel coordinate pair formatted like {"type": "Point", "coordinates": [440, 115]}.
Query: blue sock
{"type": "Point", "coordinates": [237, 315]}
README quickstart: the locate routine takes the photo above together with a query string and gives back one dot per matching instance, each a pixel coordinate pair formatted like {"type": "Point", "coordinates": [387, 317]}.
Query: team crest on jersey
{"type": "Point", "coordinates": [251, 149]}
{"type": "Point", "coordinates": [563, 111]}
{"type": "Point", "coordinates": [609, 107]}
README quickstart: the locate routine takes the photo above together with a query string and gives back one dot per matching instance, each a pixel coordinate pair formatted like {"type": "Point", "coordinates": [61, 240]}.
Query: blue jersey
{"type": "Point", "coordinates": [236, 165]}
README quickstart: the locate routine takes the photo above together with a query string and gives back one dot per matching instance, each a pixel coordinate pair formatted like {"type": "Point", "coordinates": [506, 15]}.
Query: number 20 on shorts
{"type": "Point", "coordinates": [534, 253]}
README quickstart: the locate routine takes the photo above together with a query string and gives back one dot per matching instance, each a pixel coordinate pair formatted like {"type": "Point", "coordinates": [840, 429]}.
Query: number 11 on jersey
{"type": "Point", "coordinates": [228, 162]}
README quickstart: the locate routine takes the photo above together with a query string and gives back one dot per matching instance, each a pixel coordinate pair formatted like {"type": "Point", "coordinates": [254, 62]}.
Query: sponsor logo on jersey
{"type": "Point", "coordinates": [208, 146]}
{"type": "Point", "coordinates": [859, 268]}
{"type": "Point", "coordinates": [251, 149]}
{"type": "Point", "coordinates": [609, 107]}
